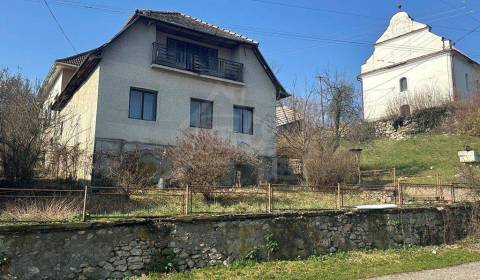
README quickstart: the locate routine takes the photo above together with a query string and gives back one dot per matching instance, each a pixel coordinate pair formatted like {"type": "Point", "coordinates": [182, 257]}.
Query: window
{"type": "Point", "coordinates": [243, 119]}
{"type": "Point", "coordinates": [143, 105]}
{"type": "Point", "coordinates": [403, 84]}
{"type": "Point", "coordinates": [467, 86]}
{"type": "Point", "coordinates": [201, 112]}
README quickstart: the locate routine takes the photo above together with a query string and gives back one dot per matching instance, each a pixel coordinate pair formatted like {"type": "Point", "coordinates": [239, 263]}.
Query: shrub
{"type": "Point", "coordinates": [165, 262]}
{"type": "Point", "coordinates": [129, 170]}
{"type": "Point", "coordinates": [205, 158]}
{"type": "Point", "coordinates": [466, 119]}
{"type": "Point", "coordinates": [429, 118]}
{"type": "Point", "coordinates": [360, 132]}
{"type": "Point", "coordinates": [326, 167]}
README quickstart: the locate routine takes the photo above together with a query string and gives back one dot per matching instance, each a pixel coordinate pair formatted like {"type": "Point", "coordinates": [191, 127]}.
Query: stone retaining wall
{"type": "Point", "coordinates": [119, 249]}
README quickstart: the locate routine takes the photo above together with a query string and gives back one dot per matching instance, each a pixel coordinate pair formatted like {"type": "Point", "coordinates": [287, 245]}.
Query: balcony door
{"type": "Point", "coordinates": [192, 57]}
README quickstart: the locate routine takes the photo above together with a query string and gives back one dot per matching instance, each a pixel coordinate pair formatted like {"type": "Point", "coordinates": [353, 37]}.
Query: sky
{"type": "Point", "coordinates": [299, 38]}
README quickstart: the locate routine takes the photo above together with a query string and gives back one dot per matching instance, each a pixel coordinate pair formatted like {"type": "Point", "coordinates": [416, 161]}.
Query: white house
{"type": "Point", "coordinates": [163, 73]}
{"type": "Point", "coordinates": [408, 61]}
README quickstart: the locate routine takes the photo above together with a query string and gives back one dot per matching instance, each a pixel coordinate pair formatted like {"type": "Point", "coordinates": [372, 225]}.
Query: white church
{"type": "Point", "coordinates": [410, 63]}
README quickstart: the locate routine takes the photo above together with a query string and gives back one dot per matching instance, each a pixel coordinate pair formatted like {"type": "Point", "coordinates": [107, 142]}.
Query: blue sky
{"type": "Point", "coordinates": [299, 38]}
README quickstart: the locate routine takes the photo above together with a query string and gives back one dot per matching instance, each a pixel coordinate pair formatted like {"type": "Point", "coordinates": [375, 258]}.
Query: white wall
{"type": "Point", "coordinates": [127, 63]}
{"type": "Point", "coordinates": [79, 116]}
{"type": "Point", "coordinates": [461, 67]}
{"type": "Point", "coordinates": [380, 89]}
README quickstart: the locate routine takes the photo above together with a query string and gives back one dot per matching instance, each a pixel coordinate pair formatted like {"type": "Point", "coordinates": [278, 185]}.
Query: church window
{"type": "Point", "coordinates": [403, 84]}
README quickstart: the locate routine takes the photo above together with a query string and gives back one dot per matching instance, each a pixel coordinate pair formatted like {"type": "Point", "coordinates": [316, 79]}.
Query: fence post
{"type": "Point", "coordinates": [187, 200]}
{"type": "Point", "coordinates": [269, 196]}
{"type": "Point", "coordinates": [400, 193]}
{"type": "Point", "coordinates": [84, 203]}
{"type": "Point", "coordinates": [453, 193]}
{"type": "Point", "coordinates": [437, 185]}
{"type": "Point", "coordinates": [339, 199]}
{"type": "Point", "coordinates": [394, 176]}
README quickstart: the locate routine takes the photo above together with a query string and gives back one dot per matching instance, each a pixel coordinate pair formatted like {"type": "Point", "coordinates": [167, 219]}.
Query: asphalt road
{"type": "Point", "coordinates": [469, 271]}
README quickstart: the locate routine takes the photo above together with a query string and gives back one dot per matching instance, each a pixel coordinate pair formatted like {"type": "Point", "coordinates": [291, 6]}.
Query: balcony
{"type": "Point", "coordinates": [210, 66]}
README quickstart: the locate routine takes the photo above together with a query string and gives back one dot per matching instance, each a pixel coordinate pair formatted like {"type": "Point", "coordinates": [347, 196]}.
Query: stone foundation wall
{"type": "Point", "coordinates": [155, 156]}
{"type": "Point", "coordinates": [119, 249]}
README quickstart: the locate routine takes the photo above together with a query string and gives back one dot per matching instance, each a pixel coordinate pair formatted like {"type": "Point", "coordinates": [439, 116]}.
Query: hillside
{"type": "Point", "coordinates": [420, 155]}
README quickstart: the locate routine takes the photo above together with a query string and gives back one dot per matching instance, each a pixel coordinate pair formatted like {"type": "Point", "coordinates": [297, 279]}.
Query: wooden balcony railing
{"type": "Point", "coordinates": [217, 67]}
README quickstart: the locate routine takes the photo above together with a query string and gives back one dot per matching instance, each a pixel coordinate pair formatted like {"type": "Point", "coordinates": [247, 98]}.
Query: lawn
{"type": "Point", "coordinates": [343, 265]}
{"type": "Point", "coordinates": [422, 155]}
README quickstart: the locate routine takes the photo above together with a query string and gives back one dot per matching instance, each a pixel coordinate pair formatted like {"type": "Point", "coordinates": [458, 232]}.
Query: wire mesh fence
{"type": "Point", "coordinates": [38, 204]}
{"type": "Point", "coordinates": [384, 177]}
{"type": "Point", "coordinates": [19, 205]}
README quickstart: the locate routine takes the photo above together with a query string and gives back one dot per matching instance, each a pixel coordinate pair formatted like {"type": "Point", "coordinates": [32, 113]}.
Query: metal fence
{"type": "Point", "coordinates": [98, 203]}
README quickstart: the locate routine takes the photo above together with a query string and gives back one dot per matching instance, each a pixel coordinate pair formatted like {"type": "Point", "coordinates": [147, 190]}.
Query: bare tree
{"type": "Point", "coordinates": [300, 126]}
{"type": "Point", "coordinates": [320, 118]}
{"type": "Point", "coordinates": [24, 127]}
{"type": "Point", "coordinates": [205, 159]}
{"type": "Point", "coordinates": [342, 106]}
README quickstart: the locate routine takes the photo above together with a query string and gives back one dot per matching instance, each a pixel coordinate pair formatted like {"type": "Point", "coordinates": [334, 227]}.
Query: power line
{"type": "Point", "coordinates": [317, 9]}
{"type": "Point", "coordinates": [472, 17]}
{"type": "Point", "coordinates": [59, 25]}
{"type": "Point", "coordinates": [86, 5]}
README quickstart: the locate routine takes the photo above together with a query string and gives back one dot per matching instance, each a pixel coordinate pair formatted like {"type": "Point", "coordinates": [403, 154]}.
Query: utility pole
{"type": "Point", "coordinates": [321, 100]}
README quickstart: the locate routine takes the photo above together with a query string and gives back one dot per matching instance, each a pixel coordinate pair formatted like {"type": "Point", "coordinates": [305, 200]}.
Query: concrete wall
{"type": "Point", "coordinates": [127, 63]}
{"type": "Point", "coordinates": [116, 250]}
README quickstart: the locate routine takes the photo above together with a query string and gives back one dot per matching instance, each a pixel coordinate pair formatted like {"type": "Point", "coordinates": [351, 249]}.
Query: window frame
{"type": "Point", "coordinates": [208, 126]}
{"type": "Point", "coordinates": [401, 84]}
{"type": "Point", "coordinates": [143, 91]}
{"type": "Point", "coordinates": [243, 108]}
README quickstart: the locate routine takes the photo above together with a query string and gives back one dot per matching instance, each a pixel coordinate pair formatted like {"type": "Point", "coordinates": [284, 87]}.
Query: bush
{"type": "Point", "coordinates": [129, 170]}
{"type": "Point", "coordinates": [328, 167]}
{"type": "Point", "coordinates": [425, 120]}
{"type": "Point", "coordinates": [469, 124]}
{"type": "Point", "coordinates": [464, 118]}
{"type": "Point", "coordinates": [205, 158]}
{"type": "Point", "coordinates": [360, 132]}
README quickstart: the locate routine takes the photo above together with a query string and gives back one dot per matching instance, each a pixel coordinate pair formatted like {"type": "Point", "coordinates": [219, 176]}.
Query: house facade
{"type": "Point", "coordinates": [162, 74]}
{"type": "Point", "coordinates": [410, 64]}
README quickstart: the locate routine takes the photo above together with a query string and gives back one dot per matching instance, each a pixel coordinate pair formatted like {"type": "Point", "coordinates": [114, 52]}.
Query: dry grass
{"type": "Point", "coordinates": [46, 209]}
